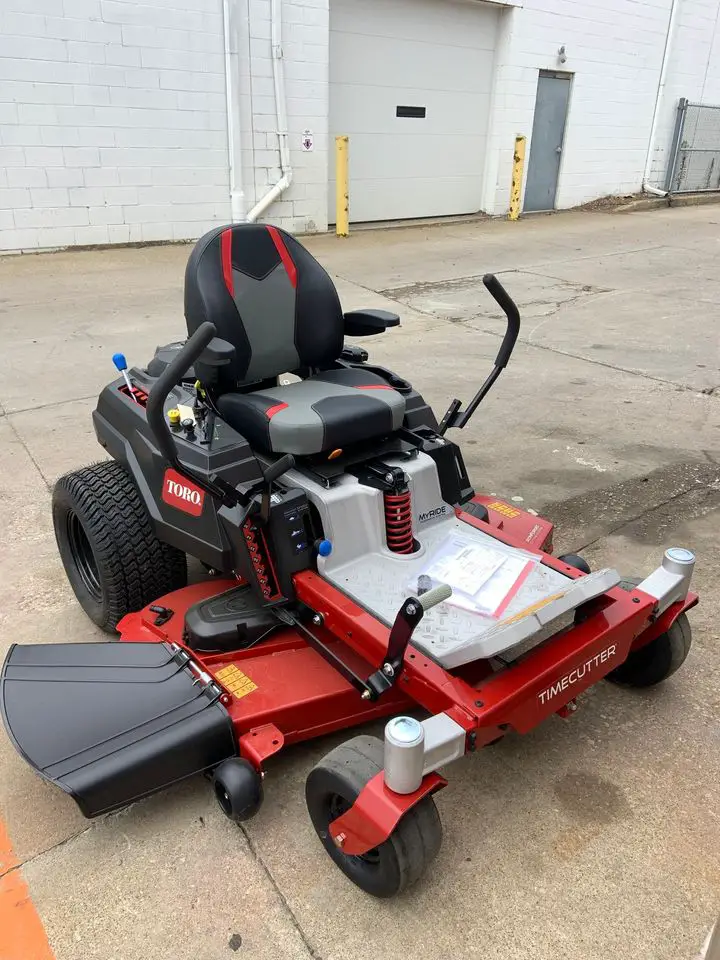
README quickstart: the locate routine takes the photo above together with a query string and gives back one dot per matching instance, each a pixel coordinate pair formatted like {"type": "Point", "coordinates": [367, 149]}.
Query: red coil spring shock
{"type": "Point", "coordinates": [398, 522]}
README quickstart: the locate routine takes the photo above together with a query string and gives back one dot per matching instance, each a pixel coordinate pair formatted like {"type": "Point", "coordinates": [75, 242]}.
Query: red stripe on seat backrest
{"type": "Point", "coordinates": [226, 255]}
{"type": "Point", "coordinates": [287, 260]}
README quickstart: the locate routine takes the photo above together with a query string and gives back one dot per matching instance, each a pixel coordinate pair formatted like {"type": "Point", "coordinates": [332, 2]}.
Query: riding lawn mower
{"type": "Point", "coordinates": [354, 575]}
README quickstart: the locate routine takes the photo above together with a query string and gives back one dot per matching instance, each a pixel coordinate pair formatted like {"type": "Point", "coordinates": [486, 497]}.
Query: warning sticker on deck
{"type": "Point", "coordinates": [505, 509]}
{"type": "Point", "coordinates": [235, 681]}
{"type": "Point", "coordinates": [528, 611]}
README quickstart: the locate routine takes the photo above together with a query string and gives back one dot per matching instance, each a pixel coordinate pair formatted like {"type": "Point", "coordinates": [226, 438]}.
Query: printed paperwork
{"type": "Point", "coordinates": [483, 579]}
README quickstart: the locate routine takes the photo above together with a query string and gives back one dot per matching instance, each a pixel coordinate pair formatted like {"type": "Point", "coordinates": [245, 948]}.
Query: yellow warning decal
{"type": "Point", "coordinates": [507, 511]}
{"type": "Point", "coordinates": [234, 680]}
{"type": "Point", "coordinates": [528, 611]}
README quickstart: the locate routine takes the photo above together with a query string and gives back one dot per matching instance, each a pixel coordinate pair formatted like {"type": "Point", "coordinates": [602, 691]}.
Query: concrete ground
{"type": "Point", "coordinates": [589, 838]}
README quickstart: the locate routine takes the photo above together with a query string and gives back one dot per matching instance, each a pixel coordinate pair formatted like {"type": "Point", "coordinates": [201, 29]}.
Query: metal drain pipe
{"type": "Point", "coordinates": [281, 114]}
{"type": "Point", "coordinates": [646, 187]}
{"type": "Point", "coordinates": [237, 194]}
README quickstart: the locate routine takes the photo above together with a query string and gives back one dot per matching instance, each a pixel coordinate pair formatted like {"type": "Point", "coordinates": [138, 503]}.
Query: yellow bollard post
{"type": "Point", "coordinates": [517, 178]}
{"type": "Point", "coordinates": [342, 198]}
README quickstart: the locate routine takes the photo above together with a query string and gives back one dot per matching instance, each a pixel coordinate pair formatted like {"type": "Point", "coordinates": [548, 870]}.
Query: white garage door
{"type": "Point", "coordinates": [410, 85]}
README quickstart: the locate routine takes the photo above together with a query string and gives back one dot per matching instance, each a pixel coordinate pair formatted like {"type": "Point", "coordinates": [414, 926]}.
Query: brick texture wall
{"type": "Point", "coordinates": [305, 44]}
{"type": "Point", "coordinates": [693, 72]}
{"type": "Point", "coordinates": [113, 113]}
{"type": "Point", "coordinates": [614, 50]}
{"type": "Point", "coordinates": [112, 121]}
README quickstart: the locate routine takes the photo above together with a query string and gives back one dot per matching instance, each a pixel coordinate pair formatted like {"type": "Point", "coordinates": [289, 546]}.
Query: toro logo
{"type": "Point", "coordinates": [180, 493]}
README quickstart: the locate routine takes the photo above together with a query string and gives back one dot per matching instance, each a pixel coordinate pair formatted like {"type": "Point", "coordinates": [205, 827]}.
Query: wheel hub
{"type": "Point", "coordinates": [83, 556]}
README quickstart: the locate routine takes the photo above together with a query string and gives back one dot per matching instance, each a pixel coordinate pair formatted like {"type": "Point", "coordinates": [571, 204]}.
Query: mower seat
{"type": "Point", "coordinates": [276, 311]}
{"type": "Point", "coordinates": [323, 412]}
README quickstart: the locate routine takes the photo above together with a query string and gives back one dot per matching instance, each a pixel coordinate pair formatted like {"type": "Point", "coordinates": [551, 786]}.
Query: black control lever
{"type": "Point", "coordinates": [171, 375]}
{"type": "Point", "coordinates": [409, 616]}
{"type": "Point", "coordinates": [455, 417]}
{"type": "Point", "coordinates": [270, 475]}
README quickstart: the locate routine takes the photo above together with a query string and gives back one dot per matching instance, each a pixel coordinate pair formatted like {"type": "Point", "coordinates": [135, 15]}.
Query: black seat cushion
{"type": "Point", "coordinates": [324, 412]}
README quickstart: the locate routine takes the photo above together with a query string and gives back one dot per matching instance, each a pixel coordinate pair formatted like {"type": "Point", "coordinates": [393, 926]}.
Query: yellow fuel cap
{"type": "Point", "coordinates": [174, 417]}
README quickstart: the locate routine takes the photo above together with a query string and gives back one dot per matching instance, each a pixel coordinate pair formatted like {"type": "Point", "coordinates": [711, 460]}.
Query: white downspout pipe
{"type": "Point", "coordinates": [237, 194]}
{"type": "Point", "coordinates": [281, 114]}
{"type": "Point", "coordinates": [647, 188]}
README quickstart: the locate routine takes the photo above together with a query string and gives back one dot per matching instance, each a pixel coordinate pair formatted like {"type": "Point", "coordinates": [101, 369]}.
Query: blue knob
{"type": "Point", "coordinates": [120, 361]}
{"type": "Point", "coordinates": [324, 548]}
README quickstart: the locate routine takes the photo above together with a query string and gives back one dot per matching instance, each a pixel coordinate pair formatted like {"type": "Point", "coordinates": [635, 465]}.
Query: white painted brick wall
{"type": "Point", "coordinates": [305, 44]}
{"type": "Point", "coordinates": [113, 112]}
{"type": "Point", "coordinates": [112, 121]}
{"type": "Point", "coordinates": [693, 72]}
{"type": "Point", "coordinates": [614, 51]}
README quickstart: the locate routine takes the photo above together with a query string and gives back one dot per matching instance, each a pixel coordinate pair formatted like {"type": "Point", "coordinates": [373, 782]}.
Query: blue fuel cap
{"type": "Point", "coordinates": [324, 548]}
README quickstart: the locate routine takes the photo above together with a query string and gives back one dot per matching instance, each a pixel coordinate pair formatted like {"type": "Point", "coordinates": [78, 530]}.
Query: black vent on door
{"type": "Point", "coordinates": [417, 112]}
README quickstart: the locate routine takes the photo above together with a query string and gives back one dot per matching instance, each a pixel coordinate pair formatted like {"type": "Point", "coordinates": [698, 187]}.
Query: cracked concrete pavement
{"type": "Point", "coordinates": [589, 838]}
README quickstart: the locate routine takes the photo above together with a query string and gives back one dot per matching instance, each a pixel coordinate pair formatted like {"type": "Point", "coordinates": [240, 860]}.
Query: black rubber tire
{"type": "Point", "coordinates": [238, 789]}
{"type": "Point", "coordinates": [576, 561]}
{"type": "Point", "coordinates": [333, 786]}
{"type": "Point", "coordinates": [657, 660]}
{"type": "Point", "coordinates": [113, 560]}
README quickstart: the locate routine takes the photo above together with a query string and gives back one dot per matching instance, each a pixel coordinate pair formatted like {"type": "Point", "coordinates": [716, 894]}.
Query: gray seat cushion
{"type": "Point", "coordinates": [324, 412]}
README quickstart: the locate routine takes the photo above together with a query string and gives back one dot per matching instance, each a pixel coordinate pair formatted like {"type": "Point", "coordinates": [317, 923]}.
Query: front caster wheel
{"type": "Point", "coordinates": [331, 789]}
{"type": "Point", "coordinates": [238, 789]}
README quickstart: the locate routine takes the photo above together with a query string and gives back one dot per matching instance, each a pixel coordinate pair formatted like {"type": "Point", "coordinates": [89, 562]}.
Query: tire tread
{"type": "Point", "coordinates": [136, 567]}
{"type": "Point", "coordinates": [418, 836]}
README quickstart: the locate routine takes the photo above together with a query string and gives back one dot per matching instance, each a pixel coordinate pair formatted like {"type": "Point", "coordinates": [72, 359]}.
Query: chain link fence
{"type": "Point", "coordinates": [695, 151]}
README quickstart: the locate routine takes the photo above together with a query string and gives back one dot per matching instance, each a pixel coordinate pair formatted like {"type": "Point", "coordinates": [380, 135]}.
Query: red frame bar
{"type": "Point", "coordinates": [296, 695]}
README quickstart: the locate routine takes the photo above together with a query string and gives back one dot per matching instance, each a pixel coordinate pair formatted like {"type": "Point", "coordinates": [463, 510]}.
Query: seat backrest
{"type": "Point", "coordinates": [267, 296]}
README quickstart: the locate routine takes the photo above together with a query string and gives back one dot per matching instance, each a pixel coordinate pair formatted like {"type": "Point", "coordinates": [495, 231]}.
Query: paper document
{"type": "Point", "coordinates": [483, 579]}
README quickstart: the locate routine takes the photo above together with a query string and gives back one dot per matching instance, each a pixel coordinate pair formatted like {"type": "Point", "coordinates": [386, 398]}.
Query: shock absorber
{"type": "Point", "coordinates": [397, 502]}
{"type": "Point", "coordinates": [398, 521]}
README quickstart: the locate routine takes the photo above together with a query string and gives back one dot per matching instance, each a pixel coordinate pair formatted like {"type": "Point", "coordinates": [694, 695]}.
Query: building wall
{"type": "Point", "coordinates": [113, 113]}
{"type": "Point", "coordinates": [305, 48]}
{"type": "Point", "coordinates": [614, 51]}
{"type": "Point", "coordinates": [693, 72]}
{"type": "Point", "coordinates": [112, 121]}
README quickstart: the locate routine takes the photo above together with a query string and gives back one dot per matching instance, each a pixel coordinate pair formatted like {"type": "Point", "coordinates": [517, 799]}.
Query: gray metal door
{"type": "Point", "coordinates": [551, 105]}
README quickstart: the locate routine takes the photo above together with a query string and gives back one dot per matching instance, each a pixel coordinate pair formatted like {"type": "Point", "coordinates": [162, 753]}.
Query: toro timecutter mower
{"type": "Point", "coordinates": [356, 576]}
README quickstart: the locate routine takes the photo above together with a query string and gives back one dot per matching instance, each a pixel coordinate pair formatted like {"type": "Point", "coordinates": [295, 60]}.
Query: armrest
{"type": "Point", "coordinates": [216, 356]}
{"type": "Point", "coordinates": [364, 323]}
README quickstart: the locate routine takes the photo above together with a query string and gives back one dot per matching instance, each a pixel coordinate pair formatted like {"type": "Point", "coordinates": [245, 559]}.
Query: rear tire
{"type": "Point", "coordinates": [657, 660]}
{"type": "Point", "coordinates": [576, 561]}
{"type": "Point", "coordinates": [331, 789]}
{"type": "Point", "coordinates": [113, 559]}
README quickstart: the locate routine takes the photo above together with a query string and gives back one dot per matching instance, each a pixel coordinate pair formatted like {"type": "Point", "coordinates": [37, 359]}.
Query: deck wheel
{"type": "Point", "coordinates": [332, 787]}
